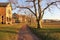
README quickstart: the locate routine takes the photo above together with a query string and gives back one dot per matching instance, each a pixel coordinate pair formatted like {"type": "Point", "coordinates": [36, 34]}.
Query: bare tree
{"type": "Point", "coordinates": [38, 8]}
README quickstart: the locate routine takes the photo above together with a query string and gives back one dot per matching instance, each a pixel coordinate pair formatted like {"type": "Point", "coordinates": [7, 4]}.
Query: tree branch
{"type": "Point", "coordinates": [49, 6]}
{"type": "Point", "coordinates": [39, 8]}
{"type": "Point", "coordinates": [28, 9]}
{"type": "Point", "coordinates": [57, 6]}
{"type": "Point", "coordinates": [35, 7]}
{"type": "Point", "coordinates": [42, 16]}
{"type": "Point", "coordinates": [29, 1]}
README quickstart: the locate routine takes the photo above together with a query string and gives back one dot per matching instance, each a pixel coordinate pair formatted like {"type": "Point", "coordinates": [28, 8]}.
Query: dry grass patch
{"type": "Point", "coordinates": [9, 32]}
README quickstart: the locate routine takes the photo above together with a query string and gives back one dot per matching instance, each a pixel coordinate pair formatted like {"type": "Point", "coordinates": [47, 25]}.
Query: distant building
{"type": "Point", "coordinates": [13, 20]}
{"type": "Point", "coordinates": [16, 18]}
{"type": "Point", "coordinates": [5, 13]}
{"type": "Point", "coordinates": [20, 18]}
{"type": "Point", "coordinates": [23, 18]}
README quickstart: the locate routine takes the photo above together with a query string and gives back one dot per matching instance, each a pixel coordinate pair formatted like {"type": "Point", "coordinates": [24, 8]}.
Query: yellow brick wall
{"type": "Point", "coordinates": [9, 13]}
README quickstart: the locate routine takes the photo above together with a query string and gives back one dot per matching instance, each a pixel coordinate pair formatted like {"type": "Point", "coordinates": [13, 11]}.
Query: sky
{"type": "Point", "coordinates": [55, 13]}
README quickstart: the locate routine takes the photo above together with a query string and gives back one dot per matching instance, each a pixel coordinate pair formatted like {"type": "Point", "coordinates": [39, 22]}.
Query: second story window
{"type": "Point", "coordinates": [9, 12]}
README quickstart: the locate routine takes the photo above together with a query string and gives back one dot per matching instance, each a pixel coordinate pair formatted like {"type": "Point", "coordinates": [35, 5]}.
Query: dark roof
{"type": "Point", "coordinates": [3, 4]}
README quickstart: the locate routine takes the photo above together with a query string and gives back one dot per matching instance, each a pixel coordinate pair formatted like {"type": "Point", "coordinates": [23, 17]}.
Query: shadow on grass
{"type": "Point", "coordinates": [9, 31]}
{"type": "Point", "coordinates": [9, 28]}
{"type": "Point", "coordinates": [47, 34]}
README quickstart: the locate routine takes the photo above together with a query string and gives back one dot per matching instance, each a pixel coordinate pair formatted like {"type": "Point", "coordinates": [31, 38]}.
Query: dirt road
{"type": "Point", "coordinates": [26, 34]}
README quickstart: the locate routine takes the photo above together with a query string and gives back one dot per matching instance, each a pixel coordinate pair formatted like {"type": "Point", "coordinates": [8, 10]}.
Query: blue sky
{"type": "Point", "coordinates": [54, 15]}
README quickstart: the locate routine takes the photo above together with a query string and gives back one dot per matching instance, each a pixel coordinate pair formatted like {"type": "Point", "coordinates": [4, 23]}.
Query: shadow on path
{"type": "Point", "coordinates": [26, 34]}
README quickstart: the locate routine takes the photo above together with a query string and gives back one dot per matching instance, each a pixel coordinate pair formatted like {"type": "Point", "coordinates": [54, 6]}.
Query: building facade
{"type": "Point", "coordinates": [5, 13]}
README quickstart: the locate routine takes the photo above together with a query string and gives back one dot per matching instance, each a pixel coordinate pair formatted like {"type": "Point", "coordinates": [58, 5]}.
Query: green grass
{"type": "Point", "coordinates": [47, 34]}
{"type": "Point", "coordinates": [9, 32]}
{"type": "Point", "coordinates": [7, 36]}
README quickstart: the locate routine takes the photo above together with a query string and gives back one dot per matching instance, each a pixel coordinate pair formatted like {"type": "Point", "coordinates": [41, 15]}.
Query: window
{"type": "Point", "coordinates": [9, 11]}
{"type": "Point", "coordinates": [7, 18]}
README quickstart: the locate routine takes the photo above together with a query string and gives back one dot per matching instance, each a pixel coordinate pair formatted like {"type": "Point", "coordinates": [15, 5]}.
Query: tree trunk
{"type": "Point", "coordinates": [38, 24]}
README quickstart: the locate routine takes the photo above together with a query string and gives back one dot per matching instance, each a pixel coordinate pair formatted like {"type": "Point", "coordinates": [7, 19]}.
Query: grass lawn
{"type": "Point", "coordinates": [47, 34]}
{"type": "Point", "coordinates": [8, 36]}
{"type": "Point", "coordinates": [9, 32]}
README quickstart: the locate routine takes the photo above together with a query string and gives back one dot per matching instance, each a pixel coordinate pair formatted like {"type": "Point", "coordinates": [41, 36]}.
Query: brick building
{"type": "Point", "coordinates": [19, 18]}
{"type": "Point", "coordinates": [5, 13]}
